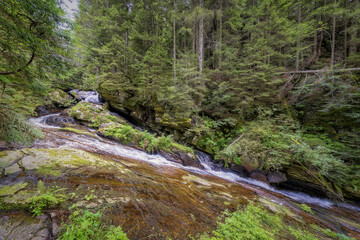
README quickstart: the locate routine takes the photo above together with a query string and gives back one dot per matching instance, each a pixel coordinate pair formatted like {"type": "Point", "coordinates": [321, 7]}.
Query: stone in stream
{"type": "Point", "coordinates": [276, 177]}
{"type": "Point", "coordinates": [185, 159]}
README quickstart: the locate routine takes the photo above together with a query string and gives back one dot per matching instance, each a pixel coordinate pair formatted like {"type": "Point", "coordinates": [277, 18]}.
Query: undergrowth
{"type": "Point", "coordinates": [86, 225]}
{"type": "Point", "coordinates": [256, 222]}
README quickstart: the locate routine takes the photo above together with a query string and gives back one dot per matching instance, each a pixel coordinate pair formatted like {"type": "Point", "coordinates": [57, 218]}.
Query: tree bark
{"type": "Point", "coordinates": [333, 39]}
{"type": "Point", "coordinates": [297, 63]}
{"type": "Point", "coordinates": [220, 36]}
{"type": "Point", "coordinates": [353, 45]}
{"type": "Point", "coordinates": [174, 42]}
{"type": "Point", "coordinates": [201, 39]}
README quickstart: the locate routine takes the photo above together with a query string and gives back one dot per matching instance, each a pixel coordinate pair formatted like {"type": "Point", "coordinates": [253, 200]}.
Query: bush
{"type": "Point", "coordinates": [45, 199]}
{"type": "Point", "coordinates": [87, 225]}
{"type": "Point", "coordinates": [252, 223]}
{"type": "Point", "coordinates": [164, 142]}
{"type": "Point", "coordinates": [255, 222]}
{"type": "Point", "coordinates": [148, 142]}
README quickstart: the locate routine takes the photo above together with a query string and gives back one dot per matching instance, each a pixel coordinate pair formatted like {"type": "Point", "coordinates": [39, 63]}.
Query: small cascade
{"type": "Point", "coordinates": [93, 97]}
{"type": "Point", "coordinates": [87, 96]}
{"type": "Point", "coordinates": [211, 168]}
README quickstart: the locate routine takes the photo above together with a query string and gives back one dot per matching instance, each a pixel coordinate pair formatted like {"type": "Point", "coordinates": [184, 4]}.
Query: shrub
{"type": "Point", "coordinates": [46, 198]}
{"type": "Point", "coordinates": [252, 223]}
{"type": "Point", "coordinates": [87, 225]}
{"type": "Point", "coordinates": [164, 142]}
{"type": "Point", "coordinates": [148, 142]}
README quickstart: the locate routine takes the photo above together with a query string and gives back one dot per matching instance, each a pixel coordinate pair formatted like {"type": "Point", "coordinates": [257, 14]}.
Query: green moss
{"type": "Point", "coordinates": [182, 148]}
{"type": "Point", "coordinates": [74, 130]}
{"type": "Point", "coordinates": [10, 190]}
{"type": "Point", "coordinates": [50, 170]}
{"type": "Point", "coordinates": [306, 208]}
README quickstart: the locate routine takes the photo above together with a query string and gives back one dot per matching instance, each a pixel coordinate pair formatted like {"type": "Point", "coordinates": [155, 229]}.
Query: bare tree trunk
{"type": "Point", "coordinates": [220, 36]}
{"type": "Point", "coordinates": [333, 40]}
{"type": "Point", "coordinates": [297, 63]}
{"type": "Point", "coordinates": [345, 40]}
{"type": "Point", "coordinates": [97, 76]}
{"type": "Point", "coordinates": [174, 42]}
{"type": "Point", "coordinates": [126, 51]}
{"type": "Point", "coordinates": [201, 39]}
{"type": "Point", "coordinates": [353, 45]}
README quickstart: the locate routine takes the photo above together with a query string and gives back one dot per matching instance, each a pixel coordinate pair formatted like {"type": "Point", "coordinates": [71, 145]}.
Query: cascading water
{"type": "Point", "coordinates": [87, 96]}
{"type": "Point", "coordinates": [210, 168]}
{"type": "Point", "coordinates": [212, 173]}
{"type": "Point", "coordinates": [110, 147]}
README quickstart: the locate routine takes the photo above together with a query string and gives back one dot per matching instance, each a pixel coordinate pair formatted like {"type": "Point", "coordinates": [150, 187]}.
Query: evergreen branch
{"type": "Point", "coordinates": [20, 69]}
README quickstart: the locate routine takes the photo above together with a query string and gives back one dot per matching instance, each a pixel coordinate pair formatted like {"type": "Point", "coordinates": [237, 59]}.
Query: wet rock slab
{"type": "Point", "coordinates": [24, 227]}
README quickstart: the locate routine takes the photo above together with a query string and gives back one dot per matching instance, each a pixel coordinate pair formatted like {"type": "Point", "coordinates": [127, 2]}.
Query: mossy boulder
{"type": "Point", "coordinates": [111, 91]}
{"type": "Point", "coordinates": [300, 179]}
{"type": "Point", "coordinates": [165, 120]}
{"type": "Point", "coordinates": [94, 114]}
{"type": "Point", "coordinates": [60, 98]}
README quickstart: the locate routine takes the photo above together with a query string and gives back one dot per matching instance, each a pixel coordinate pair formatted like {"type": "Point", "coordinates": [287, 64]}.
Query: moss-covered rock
{"type": "Point", "coordinates": [60, 98]}
{"type": "Point", "coordinates": [165, 120]}
{"type": "Point", "coordinates": [94, 114]}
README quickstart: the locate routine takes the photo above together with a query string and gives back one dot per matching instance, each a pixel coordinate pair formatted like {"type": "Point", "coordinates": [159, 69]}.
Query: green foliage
{"type": "Point", "coordinates": [14, 128]}
{"type": "Point", "coordinates": [306, 208]}
{"type": "Point", "coordinates": [164, 142]}
{"type": "Point", "coordinates": [87, 225]}
{"type": "Point", "coordinates": [45, 199]}
{"type": "Point", "coordinates": [255, 223]}
{"type": "Point", "coordinates": [333, 235]}
{"type": "Point", "coordinates": [124, 133]}
{"type": "Point", "coordinates": [148, 142]}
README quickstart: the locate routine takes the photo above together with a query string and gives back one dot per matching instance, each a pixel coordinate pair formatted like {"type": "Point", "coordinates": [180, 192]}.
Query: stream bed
{"type": "Point", "coordinates": [149, 196]}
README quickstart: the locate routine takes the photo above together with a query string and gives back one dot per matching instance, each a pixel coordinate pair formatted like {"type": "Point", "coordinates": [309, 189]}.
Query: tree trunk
{"type": "Point", "coordinates": [97, 76]}
{"type": "Point", "coordinates": [219, 40]}
{"type": "Point", "coordinates": [201, 39]}
{"type": "Point", "coordinates": [353, 45]}
{"type": "Point", "coordinates": [333, 40]}
{"type": "Point", "coordinates": [174, 43]}
{"type": "Point", "coordinates": [126, 51]}
{"type": "Point", "coordinates": [345, 40]}
{"type": "Point", "coordinates": [297, 63]}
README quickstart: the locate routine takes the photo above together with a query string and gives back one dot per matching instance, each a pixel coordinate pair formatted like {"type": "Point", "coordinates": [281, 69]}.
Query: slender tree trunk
{"type": "Point", "coordinates": [219, 48]}
{"type": "Point", "coordinates": [201, 39]}
{"type": "Point", "coordinates": [194, 39]}
{"type": "Point", "coordinates": [345, 40]}
{"type": "Point", "coordinates": [354, 26]}
{"type": "Point", "coordinates": [174, 43]}
{"type": "Point", "coordinates": [297, 63]}
{"type": "Point", "coordinates": [97, 76]}
{"type": "Point", "coordinates": [126, 51]}
{"type": "Point", "coordinates": [333, 40]}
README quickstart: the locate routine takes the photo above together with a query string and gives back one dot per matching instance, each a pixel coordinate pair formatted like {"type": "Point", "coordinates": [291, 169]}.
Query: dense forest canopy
{"type": "Point", "coordinates": [268, 84]}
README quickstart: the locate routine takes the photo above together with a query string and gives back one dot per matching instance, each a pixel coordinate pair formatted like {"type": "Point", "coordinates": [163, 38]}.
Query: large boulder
{"type": "Point", "coordinates": [183, 158]}
{"type": "Point", "coordinates": [276, 177]}
{"type": "Point", "coordinates": [298, 179]}
{"type": "Point", "coordinates": [60, 98]}
{"type": "Point", "coordinates": [94, 114]}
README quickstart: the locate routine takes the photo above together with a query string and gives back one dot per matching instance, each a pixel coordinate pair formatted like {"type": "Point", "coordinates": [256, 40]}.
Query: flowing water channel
{"type": "Point", "coordinates": [344, 214]}
{"type": "Point", "coordinates": [152, 196]}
